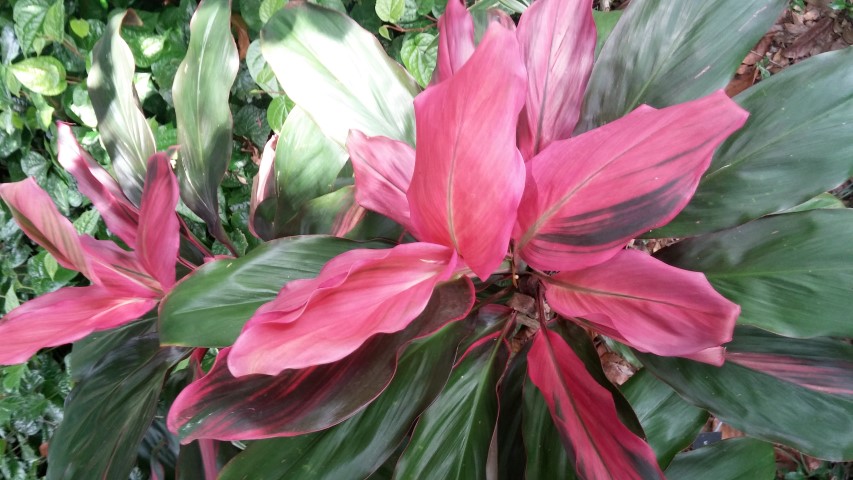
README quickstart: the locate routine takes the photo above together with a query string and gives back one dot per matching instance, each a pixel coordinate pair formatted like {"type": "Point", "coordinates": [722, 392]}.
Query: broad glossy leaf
{"type": "Point", "coordinates": [109, 411]}
{"type": "Point", "coordinates": [93, 181]}
{"type": "Point", "coordinates": [789, 273]}
{"type": "Point", "coordinates": [455, 39]}
{"type": "Point", "coordinates": [345, 80]}
{"type": "Point", "coordinates": [356, 295]}
{"type": "Point", "coordinates": [89, 351]}
{"type": "Point", "coordinates": [772, 407]}
{"type": "Point", "coordinates": [645, 303]}
{"type": "Point", "coordinates": [662, 53]}
{"type": "Point", "coordinates": [790, 149]}
{"type": "Point", "coordinates": [303, 167]}
{"type": "Point", "coordinates": [585, 414]}
{"type": "Point", "coordinates": [545, 455]}
{"type": "Point", "coordinates": [64, 316]}
{"type": "Point", "coordinates": [512, 459]}
{"type": "Point", "coordinates": [210, 307]}
{"type": "Point", "coordinates": [733, 459]}
{"type": "Point", "coordinates": [670, 423]}
{"type": "Point", "coordinates": [466, 134]}
{"type": "Point", "coordinates": [824, 200]}
{"type": "Point", "coordinates": [359, 445]}
{"type": "Point", "coordinates": [202, 113]}
{"type": "Point", "coordinates": [301, 401]}
{"type": "Point", "coordinates": [124, 131]}
{"type": "Point", "coordinates": [452, 437]}
{"type": "Point", "coordinates": [43, 75]}
{"type": "Point", "coordinates": [383, 171]}
{"type": "Point", "coordinates": [557, 39]}
{"type": "Point", "coordinates": [587, 196]}
{"type": "Point", "coordinates": [821, 364]}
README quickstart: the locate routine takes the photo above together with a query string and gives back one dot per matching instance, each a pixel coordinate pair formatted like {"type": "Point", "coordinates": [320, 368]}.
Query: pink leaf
{"type": "Point", "coordinates": [120, 215]}
{"type": "Point", "coordinates": [587, 196]}
{"type": "Point", "coordinates": [38, 217]}
{"type": "Point", "coordinates": [264, 182]}
{"type": "Point", "coordinates": [557, 40]}
{"type": "Point", "coordinates": [158, 232]}
{"type": "Point", "coordinates": [585, 415]}
{"type": "Point", "coordinates": [467, 180]}
{"type": "Point", "coordinates": [64, 316]}
{"type": "Point", "coordinates": [383, 170]}
{"type": "Point", "coordinates": [356, 295]}
{"type": "Point", "coordinates": [647, 304]}
{"type": "Point", "coordinates": [119, 270]}
{"type": "Point", "coordinates": [455, 40]}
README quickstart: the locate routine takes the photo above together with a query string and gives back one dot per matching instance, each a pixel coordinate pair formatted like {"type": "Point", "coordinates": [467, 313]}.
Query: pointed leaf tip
{"type": "Point", "coordinates": [158, 231]}
{"type": "Point", "coordinates": [647, 304]}
{"type": "Point", "coordinates": [467, 179]}
{"type": "Point", "coordinates": [455, 40]}
{"type": "Point", "coordinates": [584, 412]}
{"type": "Point", "coordinates": [375, 291]}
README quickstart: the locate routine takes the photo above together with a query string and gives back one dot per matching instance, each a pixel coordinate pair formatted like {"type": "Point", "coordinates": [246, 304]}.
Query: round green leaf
{"type": "Point", "coordinates": [791, 274]}
{"type": "Point", "coordinates": [390, 10]}
{"type": "Point", "coordinates": [43, 75]}
{"type": "Point", "coordinates": [419, 53]}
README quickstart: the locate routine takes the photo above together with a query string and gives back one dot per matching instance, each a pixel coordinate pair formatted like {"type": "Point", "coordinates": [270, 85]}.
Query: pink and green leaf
{"type": "Point", "coordinates": [93, 181]}
{"type": "Point", "coordinates": [587, 196]}
{"type": "Point", "coordinates": [585, 414]}
{"type": "Point", "coordinates": [64, 316]}
{"type": "Point", "coordinates": [455, 40]}
{"type": "Point", "coordinates": [356, 295]}
{"type": "Point", "coordinates": [383, 171]}
{"type": "Point", "coordinates": [467, 179]}
{"type": "Point", "coordinates": [298, 401]}
{"type": "Point", "coordinates": [38, 217]}
{"type": "Point", "coordinates": [158, 232]}
{"type": "Point", "coordinates": [647, 304]}
{"type": "Point", "coordinates": [557, 39]}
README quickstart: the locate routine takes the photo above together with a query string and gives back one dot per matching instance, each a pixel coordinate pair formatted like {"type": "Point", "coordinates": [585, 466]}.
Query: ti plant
{"type": "Point", "coordinates": [443, 268]}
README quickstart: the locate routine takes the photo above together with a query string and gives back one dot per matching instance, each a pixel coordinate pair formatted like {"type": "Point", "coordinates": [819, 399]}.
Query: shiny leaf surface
{"type": "Point", "coordinates": [662, 53]}
{"type": "Point", "coordinates": [733, 459]}
{"type": "Point", "coordinates": [210, 307]}
{"type": "Point", "coordinates": [790, 149]}
{"type": "Point", "coordinates": [785, 271]}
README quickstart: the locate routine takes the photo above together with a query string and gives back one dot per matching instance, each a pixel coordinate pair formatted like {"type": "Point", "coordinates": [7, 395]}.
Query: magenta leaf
{"type": "Point", "coordinates": [158, 232]}
{"type": "Point", "coordinates": [298, 401]}
{"type": "Point", "coordinates": [93, 181]}
{"type": "Point", "coordinates": [383, 170]}
{"type": "Point", "coordinates": [38, 217]}
{"type": "Point", "coordinates": [645, 303]}
{"type": "Point", "coordinates": [584, 413]}
{"type": "Point", "coordinates": [557, 39]}
{"type": "Point", "coordinates": [64, 316]}
{"type": "Point", "coordinates": [455, 40]}
{"type": "Point", "coordinates": [587, 196]}
{"type": "Point", "coordinates": [466, 185]}
{"type": "Point", "coordinates": [356, 295]}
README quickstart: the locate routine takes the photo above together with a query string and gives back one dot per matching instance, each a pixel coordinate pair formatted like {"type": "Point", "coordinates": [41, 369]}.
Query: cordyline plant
{"type": "Point", "coordinates": [464, 339]}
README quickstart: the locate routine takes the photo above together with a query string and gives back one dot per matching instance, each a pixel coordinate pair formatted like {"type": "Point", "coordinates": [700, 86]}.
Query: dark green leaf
{"type": "Point", "coordinates": [452, 438]}
{"type": "Point", "coordinates": [791, 274]}
{"type": "Point", "coordinates": [774, 388]}
{"type": "Point", "coordinates": [210, 307]}
{"type": "Point", "coordinates": [345, 81]}
{"type": "Point", "coordinates": [43, 75]}
{"type": "Point", "coordinates": [203, 115]}
{"type": "Point", "coordinates": [824, 200]}
{"type": "Point", "coordinates": [251, 122]}
{"type": "Point", "coordinates": [670, 423]}
{"type": "Point", "coordinates": [792, 148]}
{"type": "Point", "coordinates": [419, 55]}
{"type": "Point", "coordinates": [663, 52]}
{"type": "Point", "coordinates": [109, 411]}
{"type": "Point", "coordinates": [546, 457]}
{"type": "Point", "coordinates": [511, 456]}
{"type": "Point", "coordinates": [88, 352]}
{"type": "Point", "coordinates": [733, 459]}
{"type": "Point", "coordinates": [605, 22]}
{"type": "Point", "coordinates": [358, 446]}
{"type": "Point", "coordinates": [123, 128]}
